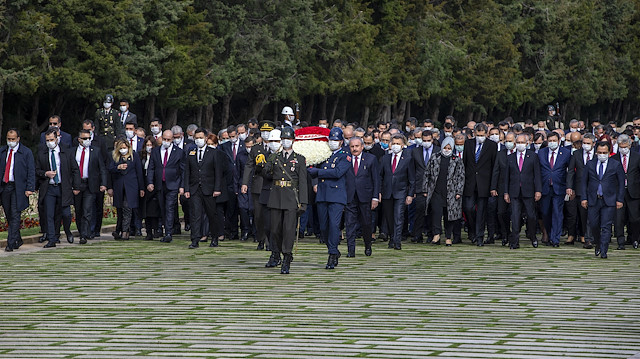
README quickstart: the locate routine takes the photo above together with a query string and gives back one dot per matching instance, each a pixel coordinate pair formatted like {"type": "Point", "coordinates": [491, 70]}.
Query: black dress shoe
{"type": "Point", "coordinates": [398, 247]}
{"type": "Point", "coordinates": [138, 233]}
{"type": "Point", "coordinates": [42, 238]}
{"type": "Point", "coordinates": [597, 251]}
{"type": "Point", "coordinates": [367, 251]}
{"type": "Point", "coordinates": [194, 244]}
{"type": "Point", "coordinates": [286, 263]}
{"type": "Point", "coordinates": [390, 245]}
{"type": "Point", "coordinates": [534, 244]}
{"type": "Point", "coordinates": [603, 256]}
{"type": "Point", "coordinates": [187, 227]}
{"type": "Point", "coordinates": [244, 237]}
{"type": "Point", "coordinates": [635, 244]}
{"type": "Point", "coordinates": [383, 237]}
{"type": "Point", "coordinates": [587, 245]}
{"type": "Point", "coordinates": [8, 249]}
{"type": "Point", "coordinates": [166, 239]}
{"type": "Point", "coordinates": [116, 235]}
{"type": "Point", "coordinates": [490, 241]}
{"type": "Point", "coordinates": [480, 243]}
{"type": "Point", "coordinates": [274, 260]}
{"type": "Point", "coordinates": [620, 248]}
{"type": "Point", "coordinates": [351, 253]}
{"type": "Point", "coordinates": [149, 237]}
{"type": "Point", "coordinates": [556, 245]}
{"type": "Point", "coordinates": [70, 239]}
{"type": "Point", "coordinates": [50, 245]}
{"type": "Point", "coordinates": [214, 242]}
{"type": "Point", "coordinates": [567, 243]}
{"type": "Point", "coordinates": [331, 262]}
{"type": "Point", "coordinates": [18, 244]}
{"type": "Point", "coordinates": [260, 246]}
{"type": "Point", "coordinates": [157, 234]}
{"type": "Point", "coordinates": [504, 242]}
{"type": "Point", "coordinates": [300, 235]}
{"type": "Point", "coordinates": [83, 241]}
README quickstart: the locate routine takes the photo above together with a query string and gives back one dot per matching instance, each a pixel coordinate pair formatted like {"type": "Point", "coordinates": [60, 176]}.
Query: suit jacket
{"type": "Point", "coordinates": [479, 176]}
{"type": "Point", "coordinates": [69, 178]}
{"type": "Point", "coordinates": [525, 183]}
{"type": "Point", "coordinates": [65, 138]}
{"type": "Point", "coordinates": [99, 143]}
{"type": "Point", "coordinates": [418, 162]}
{"type": "Point", "coordinates": [173, 171]}
{"type": "Point", "coordinates": [236, 171]}
{"type": "Point", "coordinates": [128, 182]}
{"type": "Point", "coordinates": [377, 151]}
{"type": "Point", "coordinates": [576, 169]}
{"type": "Point", "coordinates": [331, 174]}
{"type": "Point", "coordinates": [559, 173]}
{"type": "Point", "coordinates": [633, 172]}
{"type": "Point", "coordinates": [612, 183]}
{"type": "Point", "coordinates": [401, 183]}
{"type": "Point", "coordinates": [139, 143]}
{"type": "Point", "coordinates": [131, 117]}
{"type": "Point", "coordinates": [366, 184]}
{"type": "Point", "coordinates": [205, 175]}
{"type": "Point", "coordinates": [293, 169]}
{"type": "Point", "coordinates": [97, 169]}
{"type": "Point", "coordinates": [24, 173]}
{"type": "Point", "coordinates": [499, 171]}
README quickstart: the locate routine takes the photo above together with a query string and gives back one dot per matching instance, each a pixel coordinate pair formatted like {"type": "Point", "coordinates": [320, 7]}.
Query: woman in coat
{"type": "Point", "coordinates": [150, 205]}
{"type": "Point", "coordinates": [128, 183]}
{"type": "Point", "coordinates": [443, 186]}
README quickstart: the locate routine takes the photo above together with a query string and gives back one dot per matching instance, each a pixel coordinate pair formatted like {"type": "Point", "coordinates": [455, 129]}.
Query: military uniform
{"type": "Point", "coordinates": [260, 189]}
{"type": "Point", "coordinates": [108, 125]}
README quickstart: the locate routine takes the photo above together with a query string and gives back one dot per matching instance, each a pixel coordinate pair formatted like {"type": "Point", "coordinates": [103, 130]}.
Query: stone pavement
{"type": "Point", "coordinates": [114, 299]}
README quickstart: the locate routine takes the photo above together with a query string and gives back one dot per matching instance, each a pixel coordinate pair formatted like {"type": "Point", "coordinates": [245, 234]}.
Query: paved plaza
{"type": "Point", "coordinates": [113, 299]}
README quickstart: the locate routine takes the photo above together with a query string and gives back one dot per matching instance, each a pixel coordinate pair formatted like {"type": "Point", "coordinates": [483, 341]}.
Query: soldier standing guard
{"type": "Point", "coordinates": [553, 118]}
{"type": "Point", "coordinates": [107, 122]}
{"type": "Point", "coordinates": [288, 198]}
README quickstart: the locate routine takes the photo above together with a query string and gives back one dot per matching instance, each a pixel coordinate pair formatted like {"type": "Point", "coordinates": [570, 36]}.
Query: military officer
{"type": "Point", "coordinates": [107, 122]}
{"type": "Point", "coordinates": [332, 194]}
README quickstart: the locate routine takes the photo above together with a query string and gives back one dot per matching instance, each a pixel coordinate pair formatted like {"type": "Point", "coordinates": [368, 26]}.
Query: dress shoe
{"type": "Point", "coordinates": [635, 244]}
{"type": "Point", "coordinates": [398, 247]}
{"type": "Point", "coordinates": [274, 260]}
{"type": "Point", "coordinates": [331, 262]}
{"type": "Point", "coordinates": [556, 245]}
{"type": "Point", "coordinates": [301, 235]}
{"type": "Point", "coordinates": [513, 246]}
{"type": "Point", "coordinates": [419, 239]}
{"type": "Point", "coordinates": [18, 244]}
{"type": "Point", "coordinates": [480, 243]}
{"type": "Point", "coordinates": [8, 248]}
{"type": "Point", "coordinates": [620, 248]}
{"type": "Point", "coordinates": [260, 246]}
{"type": "Point", "coordinates": [504, 242]}
{"type": "Point", "coordinates": [83, 241]}
{"type": "Point", "coordinates": [195, 243]}
{"type": "Point", "coordinates": [490, 241]}
{"type": "Point", "coordinates": [138, 233]}
{"type": "Point", "coordinates": [597, 251]}
{"type": "Point", "coordinates": [244, 237]}
{"type": "Point", "coordinates": [383, 237]}
{"type": "Point", "coordinates": [149, 237]}
{"type": "Point", "coordinates": [367, 251]}
{"type": "Point", "coordinates": [70, 239]}
{"type": "Point", "coordinates": [447, 242]}
{"type": "Point", "coordinates": [187, 227]}
{"type": "Point", "coordinates": [603, 256]}
{"type": "Point", "coordinates": [214, 242]}
{"type": "Point", "coordinates": [337, 257]}
{"type": "Point", "coordinates": [166, 239]}
{"type": "Point", "coordinates": [390, 245]}
{"type": "Point", "coordinates": [96, 235]}
{"type": "Point", "coordinates": [116, 235]}
{"type": "Point", "coordinates": [42, 238]}
{"type": "Point", "coordinates": [534, 244]}
{"type": "Point", "coordinates": [286, 263]}
{"type": "Point", "coordinates": [49, 245]}
{"type": "Point", "coordinates": [157, 233]}
{"type": "Point", "coordinates": [351, 253]}
{"type": "Point", "coordinates": [587, 245]}
{"type": "Point", "coordinates": [569, 243]}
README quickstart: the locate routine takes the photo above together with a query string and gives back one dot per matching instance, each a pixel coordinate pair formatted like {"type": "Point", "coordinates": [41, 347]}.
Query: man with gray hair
{"type": "Point", "coordinates": [629, 214]}
{"type": "Point", "coordinates": [573, 126]}
{"type": "Point", "coordinates": [359, 132]}
{"type": "Point", "coordinates": [191, 129]}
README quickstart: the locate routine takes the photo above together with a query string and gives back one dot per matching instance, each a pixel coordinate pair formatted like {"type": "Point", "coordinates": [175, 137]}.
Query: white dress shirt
{"type": "Point", "coordinates": [56, 151]}
{"type": "Point", "coordinates": [85, 170]}
{"type": "Point", "coordinates": [162, 152]}
{"type": "Point", "coordinates": [13, 161]}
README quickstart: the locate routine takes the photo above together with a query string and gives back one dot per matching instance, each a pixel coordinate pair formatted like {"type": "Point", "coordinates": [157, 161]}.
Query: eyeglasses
{"type": "Point", "coordinates": [85, 138]}
{"type": "Point", "coordinates": [53, 124]}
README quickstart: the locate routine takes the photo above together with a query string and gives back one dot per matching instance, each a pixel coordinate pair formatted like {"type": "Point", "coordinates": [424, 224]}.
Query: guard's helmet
{"type": "Point", "coordinates": [335, 134]}
{"type": "Point", "coordinates": [274, 135]}
{"type": "Point", "coordinates": [287, 110]}
{"type": "Point", "coordinates": [551, 108]}
{"type": "Point", "coordinates": [108, 98]}
{"type": "Point", "coordinates": [287, 132]}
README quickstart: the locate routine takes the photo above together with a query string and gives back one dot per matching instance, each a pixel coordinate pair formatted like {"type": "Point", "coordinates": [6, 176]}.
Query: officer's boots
{"type": "Point", "coordinates": [286, 263]}
{"type": "Point", "coordinates": [274, 260]}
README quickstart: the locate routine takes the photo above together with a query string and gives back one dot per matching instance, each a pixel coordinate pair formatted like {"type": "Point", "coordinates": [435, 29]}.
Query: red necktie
{"type": "Point", "coordinates": [393, 165]}
{"type": "Point", "coordinates": [355, 166]}
{"type": "Point", "coordinates": [624, 163]}
{"type": "Point", "coordinates": [521, 160]}
{"type": "Point", "coordinates": [164, 163]}
{"type": "Point", "coordinates": [588, 157]}
{"type": "Point", "coordinates": [132, 143]}
{"type": "Point", "coordinates": [552, 161]}
{"type": "Point", "coordinates": [82, 163]}
{"type": "Point", "coordinates": [7, 168]}
{"type": "Point", "coordinates": [234, 151]}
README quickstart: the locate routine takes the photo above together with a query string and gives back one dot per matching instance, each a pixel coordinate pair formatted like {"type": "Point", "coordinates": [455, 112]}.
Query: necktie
{"type": "Point", "coordinates": [478, 152]}
{"type": "Point", "coordinates": [521, 161]}
{"type": "Point", "coordinates": [54, 167]}
{"type": "Point", "coordinates": [588, 157]}
{"type": "Point", "coordinates": [624, 163]}
{"type": "Point", "coordinates": [164, 164]}
{"type": "Point", "coordinates": [132, 143]}
{"type": "Point", "coordinates": [552, 160]}
{"type": "Point", "coordinates": [82, 163]}
{"type": "Point", "coordinates": [426, 156]}
{"type": "Point", "coordinates": [393, 165]}
{"type": "Point", "coordinates": [7, 168]}
{"type": "Point", "coordinates": [200, 155]}
{"type": "Point", "coordinates": [234, 151]}
{"type": "Point", "coordinates": [355, 165]}
{"type": "Point", "coordinates": [600, 173]}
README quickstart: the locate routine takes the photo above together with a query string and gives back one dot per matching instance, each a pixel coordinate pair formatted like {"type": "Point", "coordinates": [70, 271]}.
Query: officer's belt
{"type": "Point", "coordinates": [282, 183]}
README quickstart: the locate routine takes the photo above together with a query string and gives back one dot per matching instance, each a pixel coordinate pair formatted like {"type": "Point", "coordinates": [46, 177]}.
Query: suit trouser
{"type": "Point", "coordinates": [55, 211]}
{"type": "Point", "coordinates": [329, 216]}
{"type": "Point", "coordinates": [244, 211]}
{"type": "Point", "coordinates": [201, 203]}
{"type": "Point", "coordinates": [184, 201]}
{"type": "Point", "coordinates": [84, 203]}
{"type": "Point", "coordinates": [98, 210]}
{"type": "Point", "coordinates": [260, 212]}
{"type": "Point", "coordinates": [551, 206]}
{"type": "Point", "coordinates": [629, 214]}
{"type": "Point", "coordinates": [394, 215]}
{"type": "Point", "coordinates": [421, 224]}
{"type": "Point", "coordinates": [10, 205]}
{"type": "Point", "coordinates": [601, 218]}
{"type": "Point", "coordinates": [168, 206]}
{"type": "Point", "coordinates": [283, 228]}
{"type": "Point", "coordinates": [231, 215]}
{"type": "Point", "coordinates": [475, 208]}
{"type": "Point", "coordinates": [574, 218]}
{"type": "Point", "coordinates": [517, 205]}
{"type": "Point", "coordinates": [358, 212]}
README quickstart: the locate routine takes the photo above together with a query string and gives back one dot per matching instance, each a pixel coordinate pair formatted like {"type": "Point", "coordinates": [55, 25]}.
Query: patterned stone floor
{"type": "Point", "coordinates": [148, 299]}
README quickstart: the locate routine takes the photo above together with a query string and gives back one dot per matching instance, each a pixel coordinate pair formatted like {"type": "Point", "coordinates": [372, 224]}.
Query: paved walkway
{"type": "Point", "coordinates": [124, 299]}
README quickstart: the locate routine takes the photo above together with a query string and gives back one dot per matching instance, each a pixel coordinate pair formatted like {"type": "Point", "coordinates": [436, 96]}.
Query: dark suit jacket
{"type": "Point", "coordinates": [173, 171]}
{"type": "Point", "coordinates": [236, 171]}
{"type": "Point", "coordinates": [400, 184]}
{"type": "Point", "coordinates": [418, 162]}
{"type": "Point", "coordinates": [523, 183]}
{"type": "Point", "coordinates": [367, 183]}
{"type": "Point", "coordinates": [128, 182]}
{"type": "Point", "coordinates": [131, 117]}
{"type": "Point", "coordinates": [633, 172]}
{"type": "Point", "coordinates": [612, 183]}
{"type": "Point", "coordinates": [97, 169]}
{"type": "Point", "coordinates": [70, 174]}
{"type": "Point", "coordinates": [559, 172]}
{"type": "Point", "coordinates": [499, 172]}
{"type": "Point", "coordinates": [24, 173]}
{"type": "Point", "coordinates": [205, 175]}
{"type": "Point", "coordinates": [478, 176]}
{"type": "Point", "coordinates": [377, 151]}
{"type": "Point", "coordinates": [575, 171]}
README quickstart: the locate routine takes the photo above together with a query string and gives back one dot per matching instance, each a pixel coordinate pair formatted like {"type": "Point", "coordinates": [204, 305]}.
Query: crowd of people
{"type": "Point", "coordinates": [417, 184]}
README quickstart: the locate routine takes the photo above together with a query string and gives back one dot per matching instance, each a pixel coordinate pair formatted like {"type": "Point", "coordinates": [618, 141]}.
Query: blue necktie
{"type": "Point", "coordinates": [54, 167]}
{"type": "Point", "coordinates": [600, 173]}
{"type": "Point", "coordinates": [426, 156]}
{"type": "Point", "coordinates": [478, 152]}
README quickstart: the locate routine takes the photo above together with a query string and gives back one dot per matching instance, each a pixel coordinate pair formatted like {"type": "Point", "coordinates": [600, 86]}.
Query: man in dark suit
{"type": "Point", "coordinates": [398, 187]}
{"type": "Point", "coordinates": [233, 148]}
{"type": "Point", "coordinates": [602, 193]}
{"type": "Point", "coordinates": [479, 157]}
{"type": "Point", "coordinates": [577, 220]}
{"type": "Point", "coordinates": [164, 174]}
{"type": "Point", "coordinates": [497, 204]}
{"type": "Point", "coordinates": [522, 186]}
{"type": "Point", "coordinates": [65, 138]}
{"type": "Point", "coordinates": [554, 162]}
{"type": "Point", "coordinates": [245, 205]}
{"type": "Point", "coordinates": [135, 142]}
{"type": "Point", "coordinates": [371, 147]}
{"type": "Point", "coordinates": [629, 214]}
{"type": "Point", "coordinates": [107, 121]}
{"type": "Point", "coordinates": [202, 184]}
{"type": "Point", "coordinates": [59, 176]}
{"type": "Point", "coordinates": [363, 195]}
{"type": "Point", "coordinates": [125, 115]}
{"type": "Point", "coordinates": [18, 183]}
{"type": "Point", "coordinates": [186, 145]}
{"type": "Point", "coordinates": [421, 155]}
{"type": "Point", "coordinates": [93, 178]}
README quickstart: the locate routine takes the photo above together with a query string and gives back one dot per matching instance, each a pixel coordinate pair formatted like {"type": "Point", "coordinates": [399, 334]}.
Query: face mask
{"type": "Point", "coordinates": [190, 137]}
{"type": "Point", "coordinates": [412, 142]}
{"type": "Point", "coordinates": [623, 151]}
{"type": "Point", "coordinates": [385, 146]}
{"type": "Point", "coordinates": [86, 143]}
{"type": "Point", "coordinates": [553, 145]}
{"type": "Point", "coordinates": [52, 144]}
{"type": "Point", "coordinates": [573, 150]}
{"type": "Point", "coordinates": [537, 146]}
{"type": "Point", "coordinates": [459, 148]}
{"type": "Point", "coordinates": [346, 141]}
{"type": "Point", "coordinates": [368, 147]}
{"type": "Point", "coordinates": [129, 134]}
{"type": "Point", "coordinates": [223, 141]}
{"type": "Point", "coordinates": [212, 146]}
{"type": "Point", "coordinates": [447, 134]}
{"type": "Point", "coordinates": [427, 144]}
{"type": "Point", "coordinates": [376, 140]}
{"type": "Point", "coordinates": [481, 139]}
{"type": "Point", "coordinates": [396, 149]}
{"type": "Point", "coordinates": [155, 130]}
{"type": "Point", "coordinates": [573, 130]}
{"type": "Point", "coordinates": [636, 138]}
{"type": "Point", "coordinates": [200, 142]}
{"type": "Point", "coordinates": [12, 144]}
{"type": "Point", "coordinates": [233, 140]}
{"type": "Point", "coordinates": [124, 151]}
{"type": "Point", "coordinates": [509, 145]}
{"type": "Point", "coordinates": [123, 108]}
{"type": "Point", "coordinates": [418, 141]}
{"type": "Point", "coordinates": [166, 144]}
{"type": "Point", "coordinates": [428, 128]}
{"type": "Point", "coordinates": [149, 149]}
{"type": "Point", "coordinates": [407, 128]}
{"type": "Point", "coordinates": [106, 105]}
{"type": "Point", "coordinates": [602, 158]}
{"type": "Point", "coordinates": [264, 135]}
{"type": "Point", "coordinates": [242, 136]}
{"type": "Point", "coordinates": [447, 153]}
{"type": "Point", "coordinates": [248, 149]}
{"type": "Point", "coordinates": [334, 145]}
{"type": "Point", "coordinates": [177, 141]}
{"type": "Point", "coordinates": [287, 143]}
{"type": "Point", "coordinates": [587, 148]}
{"type": "Point", "coordinates": [521, 147]}
{"type": "Point", "coordinates": [274, 146]}
{"type": "Point", "coordinates": [495, 138]}
{"type": "Point", "coordinates": [323, 126]}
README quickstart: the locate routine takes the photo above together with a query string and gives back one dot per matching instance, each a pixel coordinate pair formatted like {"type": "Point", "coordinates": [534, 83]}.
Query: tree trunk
{"type": "Point", "coordinates": [407, 112]}
{"type": "Point", "coordinates": [436, 108]}
{"type": "Point", "coordinates": [171, 119]}
{"type": "Point", "coordinates": [401, 110]}
{"type": "Point", "coordinates": [323, 107]}
{"type": "Point", "coordinates": [149, 110]}
{"type": "Point", "coordinates": [226, 102]}
{"type": "Point", "coordinates": [276, 112]}
{"type": "Point", "coordinates": [1, 107]}
{"type": "Point", "coordinates": [199, 117]}
{"type": "Point", "coordinates": [58, 105]}
{"type": "Point", "coordinates": [35, 108]}
{"type": "Point", "coordinates": [343, 112]}
{"type": "Point", "coordinates": [208, 116]}
{"type": "Point", "coordinates": [307, 110]}
{"type": "Point", "coordinates": [364, 122]}
{"type": "Point", "coordinates": [257, 105]}
{"type": "Point", "coordinates": [334, 107]}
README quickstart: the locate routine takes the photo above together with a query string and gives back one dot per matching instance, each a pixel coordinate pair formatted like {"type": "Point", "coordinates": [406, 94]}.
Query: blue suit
{"type": "Point", "coordinates": [396, 187]}
{"type": "Point", "coordinates": [554, 186]}
{"type": "Point", "coordinates": [602, 209]}
{"type": "Point", "coordinates": [361, 190]}
{"type": "Point", "coordinates": [168, 189]}
{"type": "Point", "coordinates": [332, 196]}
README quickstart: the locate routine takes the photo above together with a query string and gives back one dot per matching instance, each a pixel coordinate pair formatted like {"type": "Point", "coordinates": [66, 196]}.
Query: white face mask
{"type": "Point", "coordinates": [129, 134]}
{"type": "Point", "coordinates": [623, 151]}
{"type": "Point", "coordinates": [322, 125]}
{"type": "Point", "coordinates": [573, 129]}
{"type": "Point", "coordinates": [149, 149]}
{"type": "Point", "coordinates": [509, 145]}
{"type": "Point", "coordinates": [200, 142]}
{"type": "Point", "coordinates": [334, 145]}
{"type": "Point", "coordinates": [537, 146]}
{"type": "Point", "coordinates": [287, 143]}
{"type": "Point", "coordinates": [553, 145]}
{"type": "Point", "coordinates": [123, 109]}
{"type": "Point", "coordinates": [368, 147]}
{"type": "Point", "coordinates": [264, 135]}
{"type": "Point", "coordinates": [407, 128]}
{"type": "Point", "coordinates": [233, 139]}
{"type": "Point", "coordinates": [412, 142]}
{"type": "Point", "coordinates": [12, 144]}
{"type": "Point", "coordinates": [52, 144]}
{"type": "Point", "coordinates": [428, 128]}
{"type": "Point", "coordinates": [212, 146]}
{"type": "Point", "coordinates": [447, 134]}
{"type": "Point", "coordinates": [224, 141]}
{"type": "Point", "coordinates": [586, 148]}
{"type": "Point", "coordinates": [447, 153]}
{"type": "Point", "coordinates": [166, 144]}
{"type": "Point", "coordinates": [495, 138]}
{"type": "Point", "coordinates": [86, 143]}
{"type": "Point", "coordinates": [376, 140]}
{"type": "Point", "coordinates": [419, 141]}
{"type": "Point", "coordinates": [124, 151]}
{"type": "Point", "coordinates": [481, 139]}
{"type": "Point", "coordinates": [176, 141]}
{"type": "Point", "coordinates": [274, 146]}
{"type": "Point", "coordinates": [521, 147]}
{"type": "Point", "coordinates": [396, 149]}
{"type": "Point", "coordinates": [346, 141]}
{"type": "Point", "coordinates": [242, 136]}
{"type": "Point", "coordinates": [248, 149]}
{"type": "Point", "coordinates": [107, 105]}
{"type": "Point", "coordinates": [155, 130]}
{"type": "Point", "coordinates": [427, 144]}
{"type": "Point", "coordinates": [603, 158]}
